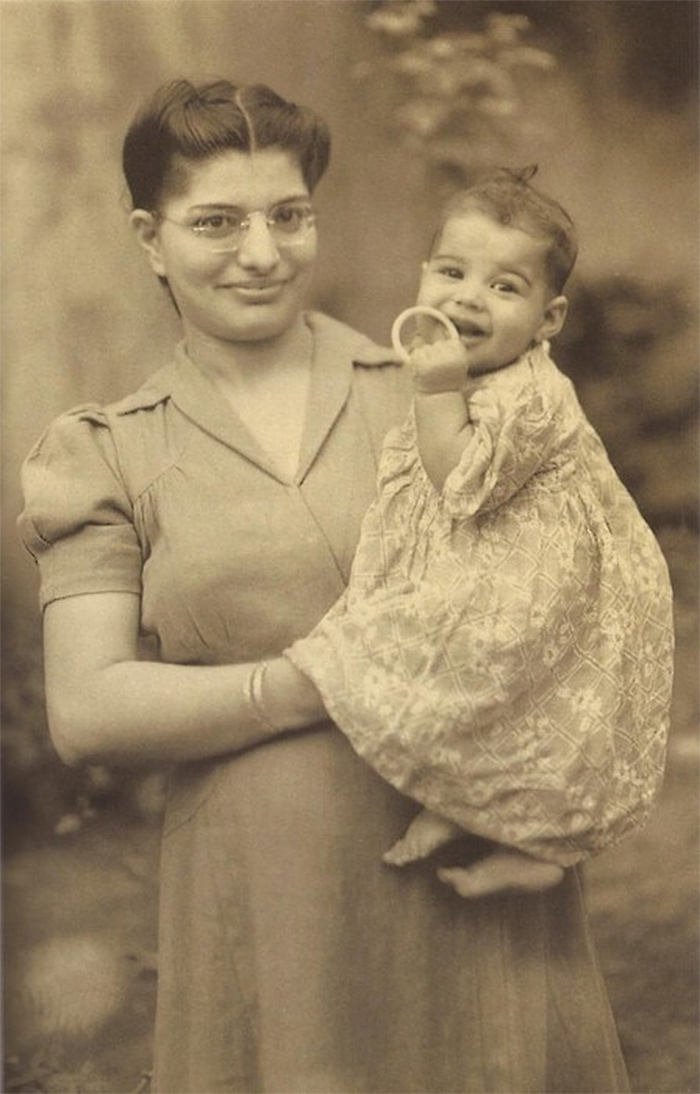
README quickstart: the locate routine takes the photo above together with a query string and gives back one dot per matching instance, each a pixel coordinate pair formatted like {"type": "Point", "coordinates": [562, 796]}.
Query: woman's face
{"type": "Point", "coordinates": [252, 294]}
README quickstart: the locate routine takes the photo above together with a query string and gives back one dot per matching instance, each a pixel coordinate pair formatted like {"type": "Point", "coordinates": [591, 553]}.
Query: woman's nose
{"type": "Point", "coordinates": [257, 250]}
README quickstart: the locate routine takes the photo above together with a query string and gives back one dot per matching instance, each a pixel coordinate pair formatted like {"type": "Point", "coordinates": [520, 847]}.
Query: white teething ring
{"type": "Point", "coordinates": [408, 313]}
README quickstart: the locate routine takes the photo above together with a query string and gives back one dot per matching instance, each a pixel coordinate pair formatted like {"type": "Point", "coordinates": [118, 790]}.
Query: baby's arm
{"type": "Point", "coordinates": [442, 422]}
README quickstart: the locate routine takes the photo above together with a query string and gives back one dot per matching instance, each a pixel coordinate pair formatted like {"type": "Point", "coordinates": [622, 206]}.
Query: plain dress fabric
{"type": "Point", "coordinates": [504, 650]}
{"type": "Point", "coordinates": [291, 959]}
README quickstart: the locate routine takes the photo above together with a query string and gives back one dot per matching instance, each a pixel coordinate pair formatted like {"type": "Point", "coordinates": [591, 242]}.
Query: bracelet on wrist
{"type": "Point", "coordinates": [253, 696]}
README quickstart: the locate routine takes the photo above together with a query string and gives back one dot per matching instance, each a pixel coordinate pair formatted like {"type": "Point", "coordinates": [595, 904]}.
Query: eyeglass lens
{"type": "Point", "coordinates": [288, 224]}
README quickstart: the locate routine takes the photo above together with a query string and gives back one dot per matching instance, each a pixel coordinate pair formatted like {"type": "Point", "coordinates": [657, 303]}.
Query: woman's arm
{"type": "Point", "coordinates": [105, 706]}
{"type": "Point", "coordinates": [442, 423]}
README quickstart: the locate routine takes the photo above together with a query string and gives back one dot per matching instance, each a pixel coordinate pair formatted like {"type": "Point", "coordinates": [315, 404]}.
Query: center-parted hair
{"type": "Point", "coordinates": [193, 122]}
{"type": "Point", "coordinates": [506, 197]}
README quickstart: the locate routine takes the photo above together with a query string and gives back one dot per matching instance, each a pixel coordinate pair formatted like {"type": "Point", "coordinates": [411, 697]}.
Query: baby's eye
{"type": "Point", "coordinates": [452, 272]}
{"type": "Point", "coordinates": [505, 287]}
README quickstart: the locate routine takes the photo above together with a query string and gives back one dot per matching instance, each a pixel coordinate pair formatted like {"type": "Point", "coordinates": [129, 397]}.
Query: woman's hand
{"type": "Point", "coordinates": [289, 698]}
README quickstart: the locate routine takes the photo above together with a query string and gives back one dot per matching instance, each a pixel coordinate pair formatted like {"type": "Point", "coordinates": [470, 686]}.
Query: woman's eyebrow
{"type": "Point", "coordinates": [215, 205]}
{"type": "Point", "coordinates": [232, 207]}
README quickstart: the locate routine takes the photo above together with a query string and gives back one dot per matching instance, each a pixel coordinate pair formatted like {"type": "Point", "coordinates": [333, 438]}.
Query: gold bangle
{"type": "Point", "coordinates": [252, 695]}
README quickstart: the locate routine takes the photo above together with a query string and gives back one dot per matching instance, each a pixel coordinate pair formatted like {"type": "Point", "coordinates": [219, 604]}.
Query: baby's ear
{"type": "Point", "coordinates": [553, 318]}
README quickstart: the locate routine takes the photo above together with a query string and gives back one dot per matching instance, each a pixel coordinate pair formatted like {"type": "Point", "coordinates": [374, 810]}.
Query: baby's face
{"type": "Point", "coordinates": [490, 281]}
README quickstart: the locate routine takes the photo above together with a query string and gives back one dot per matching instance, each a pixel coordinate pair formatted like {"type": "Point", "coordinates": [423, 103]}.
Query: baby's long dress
{"type": "Point", "coordinates": [503, 653]}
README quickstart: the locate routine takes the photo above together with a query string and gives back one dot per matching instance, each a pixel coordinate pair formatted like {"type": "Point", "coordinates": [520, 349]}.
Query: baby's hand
{"type": "Point", "coordinates": [440, 366]}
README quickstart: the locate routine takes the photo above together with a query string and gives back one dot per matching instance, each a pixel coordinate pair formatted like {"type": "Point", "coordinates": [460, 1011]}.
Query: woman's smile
{"type": "Point", "coordinates": [258, 291]}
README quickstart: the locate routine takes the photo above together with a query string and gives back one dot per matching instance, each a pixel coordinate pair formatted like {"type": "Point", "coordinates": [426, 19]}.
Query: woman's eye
{"type": "Point", "coordinates": [214, 224]}
{"type": "Point", "coordinates": [290, 218]}
{"type": "Point", "coordinates": [287, 213]}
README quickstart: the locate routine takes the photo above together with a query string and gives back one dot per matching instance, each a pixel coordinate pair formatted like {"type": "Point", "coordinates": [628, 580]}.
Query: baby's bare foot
{"type": "Point", "coordinates": [503, 871]}
{"type": "Point", "coordinates": [425, 834]}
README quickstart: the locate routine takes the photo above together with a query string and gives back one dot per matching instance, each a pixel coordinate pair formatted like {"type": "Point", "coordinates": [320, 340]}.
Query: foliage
{"type": "Point", "coordinates": [631, 349]}
{"type": "Point", "coordinates": [461, 93]}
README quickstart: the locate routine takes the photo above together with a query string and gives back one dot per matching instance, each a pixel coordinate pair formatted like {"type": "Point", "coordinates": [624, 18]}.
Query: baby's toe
{"type": "Point", "coordinates": [401, 853]}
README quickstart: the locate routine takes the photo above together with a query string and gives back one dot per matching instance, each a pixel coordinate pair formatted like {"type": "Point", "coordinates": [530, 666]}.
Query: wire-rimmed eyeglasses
{"type": "Point", "coordinates": [224, 229]}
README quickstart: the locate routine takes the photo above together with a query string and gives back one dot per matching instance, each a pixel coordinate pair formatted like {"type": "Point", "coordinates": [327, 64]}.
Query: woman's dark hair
{"type": "Point", "coordinates": [507, 198]}
{"type": "Point", "coordinates": [196, 121]}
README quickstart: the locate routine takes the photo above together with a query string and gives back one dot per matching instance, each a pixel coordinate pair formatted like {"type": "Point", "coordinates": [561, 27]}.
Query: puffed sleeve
{"type": "Point", "coordinates": [518, 427]}
{"type": "Point", "coordinates": [77, 521]}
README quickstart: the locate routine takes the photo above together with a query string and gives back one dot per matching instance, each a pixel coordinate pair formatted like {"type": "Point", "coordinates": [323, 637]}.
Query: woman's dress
{"type": "Point", "coordinates": [504, 650]}
{"type": "Point", "coordinates": [291, 959]}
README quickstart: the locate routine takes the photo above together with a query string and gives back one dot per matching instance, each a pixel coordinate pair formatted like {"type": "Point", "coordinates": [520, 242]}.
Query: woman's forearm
{"type": "Point", "coordinates": [135, 712]}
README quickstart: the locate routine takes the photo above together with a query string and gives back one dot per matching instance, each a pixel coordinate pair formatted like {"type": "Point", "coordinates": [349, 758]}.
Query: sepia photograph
{"type": "Point", "coordinates": [350, 546]}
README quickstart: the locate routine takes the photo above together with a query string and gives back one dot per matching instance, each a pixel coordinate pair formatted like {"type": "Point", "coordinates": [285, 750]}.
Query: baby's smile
{"type": "Point", "coordinates": [468, 328]}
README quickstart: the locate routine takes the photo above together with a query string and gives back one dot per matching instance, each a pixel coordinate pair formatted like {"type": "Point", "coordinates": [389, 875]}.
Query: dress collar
{"type": "Point", "coordinates": [338, 349]}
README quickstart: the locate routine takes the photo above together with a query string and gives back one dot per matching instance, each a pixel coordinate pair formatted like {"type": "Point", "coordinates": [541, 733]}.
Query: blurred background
{"type": "Point", "coordinates": [603, 95]}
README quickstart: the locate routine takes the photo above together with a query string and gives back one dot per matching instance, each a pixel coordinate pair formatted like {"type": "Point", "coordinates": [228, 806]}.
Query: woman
{"type": "Point", "coordinates": [218, 509]}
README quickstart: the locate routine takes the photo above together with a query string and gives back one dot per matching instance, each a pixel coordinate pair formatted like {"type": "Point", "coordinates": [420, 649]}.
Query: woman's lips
{"type": "Point", "coordinates": [256, 290]}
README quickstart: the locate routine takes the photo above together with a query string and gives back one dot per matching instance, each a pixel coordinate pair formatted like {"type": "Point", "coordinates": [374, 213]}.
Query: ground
{"type": "Point", "coordinates": [80, 972]}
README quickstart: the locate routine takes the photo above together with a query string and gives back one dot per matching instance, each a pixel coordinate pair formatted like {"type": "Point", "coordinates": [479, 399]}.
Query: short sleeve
{"type": "Point", "coordinates": [519, 427]}
{"type": "Point", "coordinates": [77, 520]}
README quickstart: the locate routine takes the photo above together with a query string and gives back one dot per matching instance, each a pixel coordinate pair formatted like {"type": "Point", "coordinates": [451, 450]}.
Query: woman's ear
{"type": "Point", "coordinates": [553, 318]}
{"type": "Point", "coordinates": [144, 226]}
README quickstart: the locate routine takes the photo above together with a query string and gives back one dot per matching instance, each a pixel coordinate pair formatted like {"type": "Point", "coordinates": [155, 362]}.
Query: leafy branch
{"type": "Point", "coordinates": [461, 93]}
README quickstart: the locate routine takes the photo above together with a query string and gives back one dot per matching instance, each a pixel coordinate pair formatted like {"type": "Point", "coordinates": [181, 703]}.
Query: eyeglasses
{"type": "Point", "coordinates": [224, 229]}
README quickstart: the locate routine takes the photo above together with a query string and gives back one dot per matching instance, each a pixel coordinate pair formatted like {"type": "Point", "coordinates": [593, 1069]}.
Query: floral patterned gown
{"type": "Point", "coordinates": [503, 653]}
{"type": "Point", "coordinates": [291, 960]}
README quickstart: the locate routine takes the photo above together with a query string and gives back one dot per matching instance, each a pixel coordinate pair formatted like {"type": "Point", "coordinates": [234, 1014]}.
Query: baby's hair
{"type": "Point", "coordinates": [505, 195]}
{"type": "Point", "coordinates": [193, 122]}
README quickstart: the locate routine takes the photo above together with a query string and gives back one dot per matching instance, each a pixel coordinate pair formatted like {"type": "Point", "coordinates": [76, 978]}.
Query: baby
{"type": "Point", "coordinates": [503, 652]}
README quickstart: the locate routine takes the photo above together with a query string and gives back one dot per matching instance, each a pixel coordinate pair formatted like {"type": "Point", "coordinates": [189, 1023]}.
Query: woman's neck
{"type": "Point", "coordinates": [266, 383]}
{"type": "Point", "coordinates": [243, 365]}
